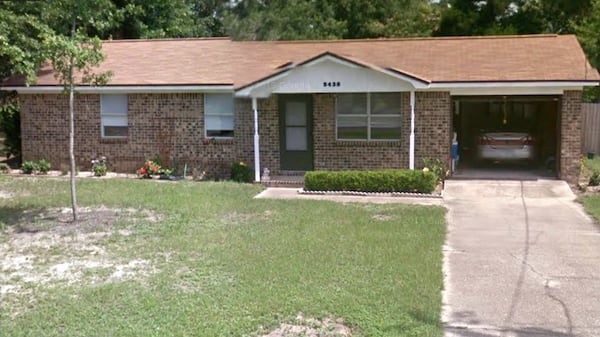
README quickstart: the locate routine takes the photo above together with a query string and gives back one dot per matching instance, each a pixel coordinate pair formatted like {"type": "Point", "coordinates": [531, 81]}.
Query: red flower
{"type": "Point", "coordinates": [148, 164]}
{"type": "Point", "coordinates": [142, 171]}
{"type": "Point", "coordinates": [154, 169]}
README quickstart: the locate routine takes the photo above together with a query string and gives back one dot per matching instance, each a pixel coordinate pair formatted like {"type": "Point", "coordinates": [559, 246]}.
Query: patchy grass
{"type": "Point", "coordinates": [591, 203]}
{"type": "Point", "coordinates": [206, 259]}
{"type": "Point", "coordinates": [589, 176]}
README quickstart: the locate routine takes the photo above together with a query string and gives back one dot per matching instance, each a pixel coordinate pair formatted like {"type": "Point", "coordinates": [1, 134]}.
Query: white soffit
{"type": "Point", "coordinates": [509, 88]}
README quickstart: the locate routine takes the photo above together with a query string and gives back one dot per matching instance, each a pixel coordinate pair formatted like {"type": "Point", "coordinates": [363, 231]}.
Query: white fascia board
{"type": "Point", "coordinates": [415, 83]}
{"type": "Point", "coordinates": [257, 90]}
{"type": "Point", "coordinates": [123, 89]}
{"type": "Point", "coordinates": [509, 88]}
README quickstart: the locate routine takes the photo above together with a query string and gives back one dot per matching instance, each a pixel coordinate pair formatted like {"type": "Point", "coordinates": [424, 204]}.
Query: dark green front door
{"type": "Point", "coordinates": [295, 121]}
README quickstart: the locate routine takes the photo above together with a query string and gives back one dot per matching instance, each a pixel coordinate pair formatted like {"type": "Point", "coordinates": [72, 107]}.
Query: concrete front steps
{"type": "Point", "coordinates": [289, 179]}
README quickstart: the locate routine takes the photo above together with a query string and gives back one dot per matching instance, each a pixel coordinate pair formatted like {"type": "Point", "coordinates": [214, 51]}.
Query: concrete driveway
{"type": "Point", "coordinates": [522, 259]}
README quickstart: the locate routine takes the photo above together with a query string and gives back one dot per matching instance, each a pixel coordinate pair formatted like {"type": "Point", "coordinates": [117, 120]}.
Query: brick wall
{"type": "Point", "coordinates": [172, 127]}
{"type": "Point", "coordinates": [432, 136]}
{"type": "Point", "coordinates": [44, 126]}
{"type": "Point", "coordinates": [268, 126]}
{"type": "Point", "coordinates": [570, 136]}
{"type": "Point", "coordinates": [168, 125]}
{"type": "Point", "coordinates": [332, 154]}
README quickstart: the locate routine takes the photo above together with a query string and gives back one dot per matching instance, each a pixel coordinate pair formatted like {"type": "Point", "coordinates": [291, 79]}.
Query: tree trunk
{"type": "Point", "coordinates": [72, 145]}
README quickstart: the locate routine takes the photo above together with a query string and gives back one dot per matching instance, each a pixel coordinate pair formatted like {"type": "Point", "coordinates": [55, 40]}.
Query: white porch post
{"type": "Point", "coordinates": [256, 141]}
{"type": "Point", "coordinates": [411, 154]}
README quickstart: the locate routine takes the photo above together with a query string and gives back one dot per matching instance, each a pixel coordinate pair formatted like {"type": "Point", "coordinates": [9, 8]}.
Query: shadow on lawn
{"type": "Point", "coordinates": [414, 316]}
{"type": "Point", "coordinates": [476, 329]}
{"type": "Point", "coordinates": [24, 220]}
{"type": "Point", "coordinates": [523, 332]}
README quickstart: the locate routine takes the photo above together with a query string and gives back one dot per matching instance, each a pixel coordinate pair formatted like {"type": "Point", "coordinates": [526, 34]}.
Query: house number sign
{"type": "Point", "coordinates": [332, 84]}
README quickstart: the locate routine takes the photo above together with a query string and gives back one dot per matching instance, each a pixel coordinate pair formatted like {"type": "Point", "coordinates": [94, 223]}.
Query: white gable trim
{"type": "Point", "coordinates": [328, 74]}
{"type": "Point", "coordinates": [331, 58]}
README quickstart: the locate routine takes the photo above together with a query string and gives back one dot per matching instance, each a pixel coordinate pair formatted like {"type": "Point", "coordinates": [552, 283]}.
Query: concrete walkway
{"type": "Point", "coordinates": [292, 193]}
{"type": "Point", "coordinates": [522, 259]}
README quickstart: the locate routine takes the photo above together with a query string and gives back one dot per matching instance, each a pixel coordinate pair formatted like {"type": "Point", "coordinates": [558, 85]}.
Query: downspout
{"type": "Point", "coordinates": [256, 141]}
{"type": "Point", "coordinates": [411, 154]}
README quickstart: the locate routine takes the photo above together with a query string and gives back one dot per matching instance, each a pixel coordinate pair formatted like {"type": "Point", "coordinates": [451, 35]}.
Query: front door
{"type": "Point", "coordinates": [295, 134]}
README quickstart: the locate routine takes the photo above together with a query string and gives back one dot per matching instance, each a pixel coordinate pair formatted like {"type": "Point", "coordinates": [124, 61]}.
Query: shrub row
{"type": "Point", "coordinates": [371, 181]}
{"type": "Point", "coordinates": [40, 167]}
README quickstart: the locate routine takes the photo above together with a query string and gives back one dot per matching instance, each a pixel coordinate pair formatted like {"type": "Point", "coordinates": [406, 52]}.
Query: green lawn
{"type": "Point", "coordinates": [592, 205]}
{"type": "Point", "coordinates": [217, 262]}
{"type": "Point", "coordinates": [591, 202]}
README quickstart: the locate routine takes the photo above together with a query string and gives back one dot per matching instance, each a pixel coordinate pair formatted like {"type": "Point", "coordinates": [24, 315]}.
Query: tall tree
{"type": "Point", "coordinates": [21, 43]}
{"type": "Point", "coordinates": [281, 20]}
{"type": "Point", "coordinates": [325, 19]}
{"type": "Point", "coordinates": [208, 16]}
{"type": "Point", "coordinates": [473, 17]}
{"type": "Point", "coordinates": [150, 19]}
{"type": "Point", "coordinates": [588, 32]}
{"type": "Point", "coordinates": [385, 18]}
{"type": "Point", "coordinates": [89, 17]}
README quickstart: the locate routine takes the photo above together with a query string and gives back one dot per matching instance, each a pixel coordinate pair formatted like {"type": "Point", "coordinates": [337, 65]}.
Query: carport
{"type": "Point", "coordinates": [473, 117]}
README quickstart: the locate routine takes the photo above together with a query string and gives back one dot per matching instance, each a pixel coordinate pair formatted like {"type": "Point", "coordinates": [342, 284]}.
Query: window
{"type": "Point", "coordinates": [362, 116]}
{"type": "Point", "coordinates": [218, 115]}
{"type": "Point", "coordinates": [113, 116]}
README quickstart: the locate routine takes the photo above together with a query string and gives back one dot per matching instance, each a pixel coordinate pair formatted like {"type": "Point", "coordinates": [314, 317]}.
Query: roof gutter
{"type": "Point", "coordinates": [509, 88]}
{"type": "Point", "coordinates": [504, 84]}
{"type": "Point", "coordinates": [52, 89]}
{"type": "Point", "coordinates": [455, 88]}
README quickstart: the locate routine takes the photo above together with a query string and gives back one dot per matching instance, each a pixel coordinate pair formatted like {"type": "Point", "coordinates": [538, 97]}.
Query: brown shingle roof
{"type": "Point", "coordinates": [455, 59]}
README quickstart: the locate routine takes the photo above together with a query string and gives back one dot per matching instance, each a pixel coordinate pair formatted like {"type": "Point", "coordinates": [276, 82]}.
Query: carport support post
{"type": "Point", "coordinates": [256, 141]}
{"type": "Point", "coordinates": [411, 154]}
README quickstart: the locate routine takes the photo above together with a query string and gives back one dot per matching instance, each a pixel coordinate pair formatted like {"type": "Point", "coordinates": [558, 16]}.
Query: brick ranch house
{"type": "Point", "coordinates": [308, 105]}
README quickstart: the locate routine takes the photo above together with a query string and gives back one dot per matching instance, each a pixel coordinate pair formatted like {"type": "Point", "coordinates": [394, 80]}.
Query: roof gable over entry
{"type": "Point", "coordinates": [328, 73]}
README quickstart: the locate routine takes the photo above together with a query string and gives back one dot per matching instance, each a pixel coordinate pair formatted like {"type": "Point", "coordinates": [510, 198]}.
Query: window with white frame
{"type": "Point", "coordinates": [369, 116]}
{"type": "Point", "coordinates": [113, 115]}
{"type": "Point", "coordinates": [218, 115]}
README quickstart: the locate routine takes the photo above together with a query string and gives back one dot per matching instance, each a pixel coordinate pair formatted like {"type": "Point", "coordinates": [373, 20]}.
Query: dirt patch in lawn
{"type": "Point", "coordinates": [310, 327]}
{"type": "Point", "coordinates": [382, 217]}
{"type": "Point", "coordinates": [45, 249]}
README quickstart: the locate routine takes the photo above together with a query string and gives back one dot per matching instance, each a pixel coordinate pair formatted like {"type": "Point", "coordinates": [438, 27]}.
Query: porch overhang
{"type": "Point", "coordinates": [331, 73]}
{"type": "Point", "coordinates": [496, 88]}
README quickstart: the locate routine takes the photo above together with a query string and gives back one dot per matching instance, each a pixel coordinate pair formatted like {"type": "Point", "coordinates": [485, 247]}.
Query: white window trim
{"type": "Point", "coordinates": [368, 115]}
{"type": "Point", "coordinates": [109, 115]}
{"type": "Point", "coordinates": [221, 114]}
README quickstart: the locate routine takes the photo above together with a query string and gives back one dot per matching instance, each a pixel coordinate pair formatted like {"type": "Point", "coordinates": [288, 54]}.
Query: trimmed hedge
{"type": "Point", "coordinates": [371, 181]}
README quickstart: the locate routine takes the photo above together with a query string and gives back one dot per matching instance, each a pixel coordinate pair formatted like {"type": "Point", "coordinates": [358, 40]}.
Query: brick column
{"type": "Point", "coordinates": [433, 135]}
{"type": "Point", "coordinates": [570, 136]}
